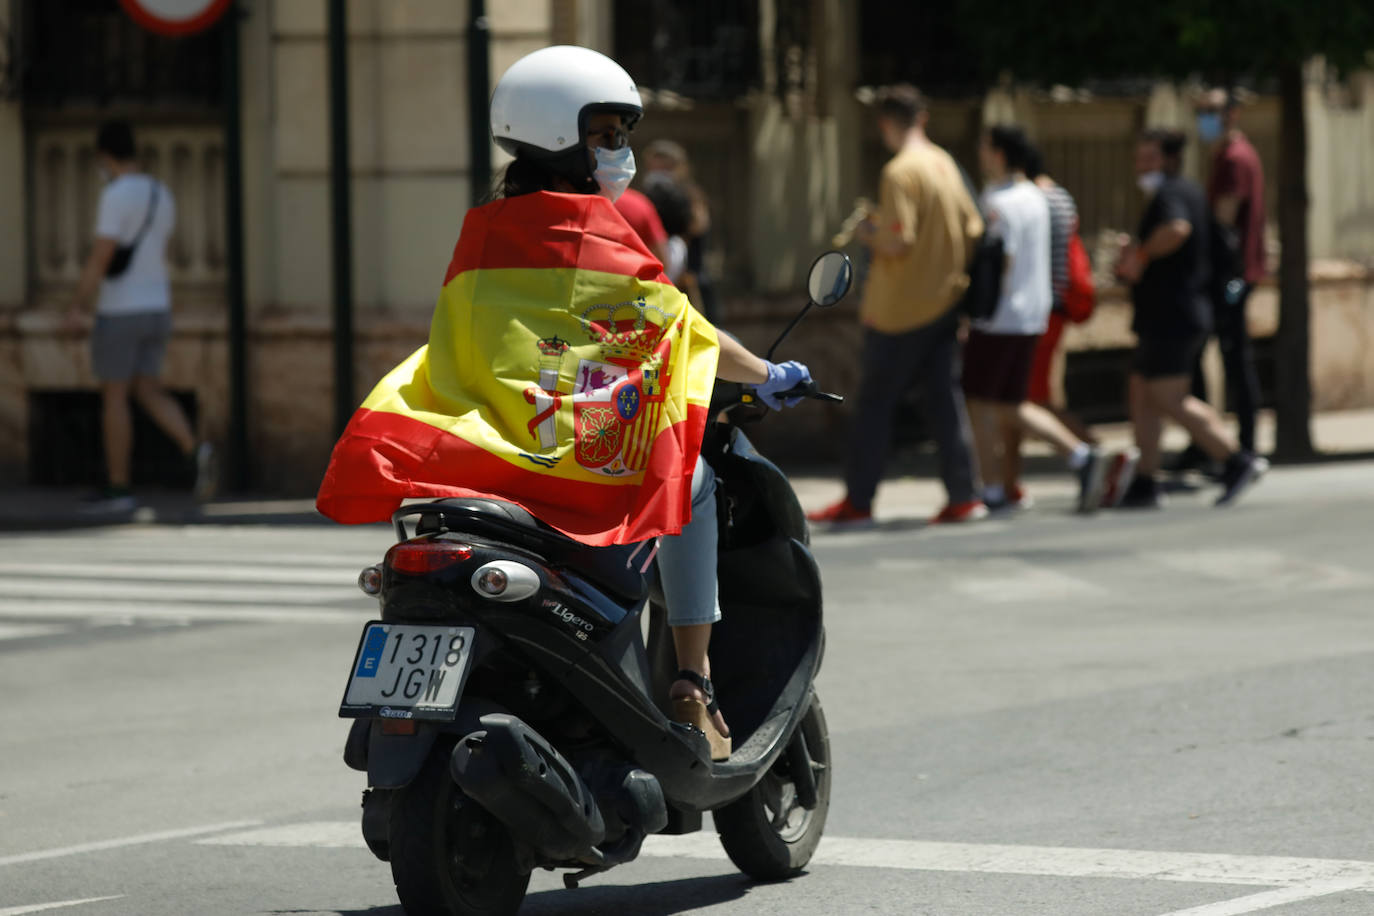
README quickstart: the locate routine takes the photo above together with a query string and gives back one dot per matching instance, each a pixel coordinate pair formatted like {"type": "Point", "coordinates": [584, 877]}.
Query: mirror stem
{"type": "Point", "coordinates": [788, 330]}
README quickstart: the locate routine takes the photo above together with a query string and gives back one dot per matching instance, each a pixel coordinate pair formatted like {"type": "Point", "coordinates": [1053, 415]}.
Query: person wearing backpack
{"type": "Point", "coordinates": [1075, 298]}
{"type": "Point", "coordinates": [126, 276]}
{"type": "Point", "coordinates": [1000, 348]}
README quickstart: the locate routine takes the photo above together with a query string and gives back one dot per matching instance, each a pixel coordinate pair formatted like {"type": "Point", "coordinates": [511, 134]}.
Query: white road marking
{"type": "Point", "coordinates": [126, 612]}
{"type": "Point", "coordinates": [1299, 878]}
{"type": "Point", "coordinates": [1269, 569]}
{"type": "Point", "coordinates": [890, 527]}
{"type": "Point", "coordinates": [78, 554]}
{"type": "Point", "coordinates": [29, 631]}
{"type": "Point", "coordinates": [19, 572]}
{"type": "Point", "coordinates": [40, 907]}
{"type": "Point", "coordinates": [121, 842]}
{"type": "Point", "coordinates": [1253, 903]}
{"type": "Point", "coordinates": [19, 589]}
{"type": "Point", "coordinates": [328, 834]}
{"type": "Point", "coordinates": [1005, 580]}
{"type": "Point", "coordinates": [905, 564]}
{"type": "Point", "coordinates": [1052, 861]}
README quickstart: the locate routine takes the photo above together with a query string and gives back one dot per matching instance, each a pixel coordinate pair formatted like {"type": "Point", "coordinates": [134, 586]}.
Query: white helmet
{"type": "Point", "coordinates": [540, 105]}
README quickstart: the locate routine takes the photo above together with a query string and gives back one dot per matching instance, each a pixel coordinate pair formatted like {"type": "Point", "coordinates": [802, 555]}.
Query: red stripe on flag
{"type": "Point", "coordinates": [383, 458]}
{"type": "Point", "coordinates": [547, 229]}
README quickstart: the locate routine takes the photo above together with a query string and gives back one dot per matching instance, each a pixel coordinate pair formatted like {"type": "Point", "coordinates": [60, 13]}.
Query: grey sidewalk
{"type": "Point", "coordinates": [1339, 435]}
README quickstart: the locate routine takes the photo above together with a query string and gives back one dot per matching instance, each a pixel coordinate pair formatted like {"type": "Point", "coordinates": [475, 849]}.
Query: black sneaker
{"type": "Point", "coordinates": [1091, 478]}
{"type": "Point", "coordinates": [1242, 470]}
{"type": "Point", "coordinates": [1191, 458]}
{"type": "Point", "coordinates": [1143, 493]}
{"type": "Point", "coordinates": [109, 501]}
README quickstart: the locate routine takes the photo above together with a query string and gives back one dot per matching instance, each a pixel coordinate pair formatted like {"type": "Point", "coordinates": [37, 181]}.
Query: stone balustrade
{"type": "Point", "coordinates": [65, 192]}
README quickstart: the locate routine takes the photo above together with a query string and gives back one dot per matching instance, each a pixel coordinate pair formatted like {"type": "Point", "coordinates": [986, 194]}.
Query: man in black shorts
{"type": "Point", "coordinates": [1001, 347]}
{"type": "Point", "coordinates": [1168, 271]}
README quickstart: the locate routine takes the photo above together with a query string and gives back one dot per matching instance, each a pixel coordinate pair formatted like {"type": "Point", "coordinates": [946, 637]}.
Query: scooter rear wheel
{"type": "Point", "coordinates": [767, 833]}
{"type": "Point", "coordinates": [449, 856]}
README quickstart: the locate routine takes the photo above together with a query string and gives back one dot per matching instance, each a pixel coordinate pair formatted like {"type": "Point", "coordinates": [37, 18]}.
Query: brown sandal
{"type": "Point", "coordinates": [693, 712]}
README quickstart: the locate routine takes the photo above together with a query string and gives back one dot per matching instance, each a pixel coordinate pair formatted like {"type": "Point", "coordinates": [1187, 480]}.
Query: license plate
{"type": "Point", "coordinates": [408, 671]}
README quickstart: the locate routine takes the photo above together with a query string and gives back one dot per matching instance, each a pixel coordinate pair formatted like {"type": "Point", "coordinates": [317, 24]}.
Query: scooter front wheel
{"type": "Point", "coordinates": [449, 856]}
{"type": "Point", "coordinates": [768, 833]}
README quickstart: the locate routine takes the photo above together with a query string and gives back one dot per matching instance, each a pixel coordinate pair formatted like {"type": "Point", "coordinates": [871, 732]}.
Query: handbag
{"type": "Point", "coordinates": [985, 268]}
{"type": "Point", "coordinates": [985, 273]}
{"type": "Point", "coordinates": [124, 254]}
{"type": "Point", "coordinates": [1080, 296]}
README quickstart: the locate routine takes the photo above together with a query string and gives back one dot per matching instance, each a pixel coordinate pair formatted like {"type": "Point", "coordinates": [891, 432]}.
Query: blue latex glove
{"type": "Point", "coordinates": [782, 377]}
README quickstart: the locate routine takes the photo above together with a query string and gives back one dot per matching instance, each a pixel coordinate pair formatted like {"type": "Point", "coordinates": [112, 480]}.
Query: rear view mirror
{"type": "Point", "coordinates": [830, 278]}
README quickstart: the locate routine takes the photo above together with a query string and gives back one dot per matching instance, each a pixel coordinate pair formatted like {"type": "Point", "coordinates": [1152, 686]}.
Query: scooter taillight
{"type": "Point", "coordinates": [416, 558]}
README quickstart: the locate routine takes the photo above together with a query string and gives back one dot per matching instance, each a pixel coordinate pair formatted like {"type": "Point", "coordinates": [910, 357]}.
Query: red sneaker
{"type": "Point", "coordinates": [961, 512]}
{"type": "Point", "coordinates": [842, 513]}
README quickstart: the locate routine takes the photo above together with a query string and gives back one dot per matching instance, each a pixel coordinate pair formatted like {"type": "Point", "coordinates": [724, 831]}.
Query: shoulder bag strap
{"type": "Point", "coordinates": [152, 208]}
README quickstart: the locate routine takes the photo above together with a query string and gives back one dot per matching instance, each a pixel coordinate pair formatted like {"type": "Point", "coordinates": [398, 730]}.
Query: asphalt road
{"type": "Point", "coordinates": [1158, 713]}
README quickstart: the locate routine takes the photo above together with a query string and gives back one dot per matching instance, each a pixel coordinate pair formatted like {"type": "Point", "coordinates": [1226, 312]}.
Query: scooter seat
{"type": "Point", "coordinates": [610, 568]}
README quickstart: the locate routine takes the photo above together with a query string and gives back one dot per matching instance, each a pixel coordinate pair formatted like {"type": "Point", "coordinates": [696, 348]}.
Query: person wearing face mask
{"type": "Point", "coordinates": [1168, 270]}
{"type": "Point", "coordinates": [126, 276]}
{"type": "Point", "coordinates": [564, 372]}
{"type": "Point", "coordinates": [1235, 193]}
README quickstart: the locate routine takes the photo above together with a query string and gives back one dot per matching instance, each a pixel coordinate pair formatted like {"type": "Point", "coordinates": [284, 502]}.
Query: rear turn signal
{"type": "Point", "coordinates": [416, 558]}
{"type": "Point", "coordinates": [370, 581]}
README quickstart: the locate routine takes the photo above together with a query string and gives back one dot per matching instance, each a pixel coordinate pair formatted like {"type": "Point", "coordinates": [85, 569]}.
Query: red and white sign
{"type": "Point", "coordinates": [175, 17]}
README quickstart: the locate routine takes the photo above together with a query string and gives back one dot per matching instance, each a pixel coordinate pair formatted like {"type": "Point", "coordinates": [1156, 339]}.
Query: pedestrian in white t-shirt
{"type": "Point", "coordinates": [1001, 348]}
{"type": "Point", "coordinates": [126, 275]}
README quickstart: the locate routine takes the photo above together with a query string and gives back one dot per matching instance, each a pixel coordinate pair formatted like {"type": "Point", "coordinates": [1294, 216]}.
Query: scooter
{"type": "Point", "coordinates": [510, 713]}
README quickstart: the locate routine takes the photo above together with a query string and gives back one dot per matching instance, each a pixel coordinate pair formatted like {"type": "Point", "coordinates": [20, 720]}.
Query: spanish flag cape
{"type": "Point", "coordinates": [563, 373]}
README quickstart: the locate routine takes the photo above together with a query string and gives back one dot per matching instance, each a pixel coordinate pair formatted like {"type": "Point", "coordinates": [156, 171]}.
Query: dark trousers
{"type": "Point", "coordinates": [891, 363]}
{"type": "Point", "coordinates": [1238, 358]}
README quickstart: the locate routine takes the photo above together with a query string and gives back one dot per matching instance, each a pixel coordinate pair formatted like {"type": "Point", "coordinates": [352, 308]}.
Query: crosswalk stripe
{"type": "Point", "coordinates": [127, 611]}
{"type": "Point", "coordinates": [18, 591]}
{"type": "Point", "coordinates": [1272, 569]}
{"type": "Point", "coordinates": [9, 631]}
{"type": "Point", "coordinates": [195, 572]}
{"type": "Point", "coordinates": [55, 905]}
{"type": "Point", "coordinates": [354, 560]}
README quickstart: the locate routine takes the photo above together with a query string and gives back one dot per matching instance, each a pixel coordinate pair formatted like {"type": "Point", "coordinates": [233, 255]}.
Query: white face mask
{"type": "Point", "coordinates": [614, 170]}
{"type": "Point", "coordinates": [1150, 181]}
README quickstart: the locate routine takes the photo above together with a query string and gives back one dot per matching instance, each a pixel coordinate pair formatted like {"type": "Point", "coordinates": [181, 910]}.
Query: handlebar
{"type": "Point", "coordinates": [729, 396]}
{"type": "Point", "coordinates": [808, 389]}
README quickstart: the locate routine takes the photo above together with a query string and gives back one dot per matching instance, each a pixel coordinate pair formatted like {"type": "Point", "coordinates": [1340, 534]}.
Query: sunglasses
{"type": "Point", "coordinates": [609, 138]}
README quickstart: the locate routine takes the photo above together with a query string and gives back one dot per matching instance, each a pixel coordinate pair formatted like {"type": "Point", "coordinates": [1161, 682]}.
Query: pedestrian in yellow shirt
{"type": "Point", "coordinates": [922, 238]}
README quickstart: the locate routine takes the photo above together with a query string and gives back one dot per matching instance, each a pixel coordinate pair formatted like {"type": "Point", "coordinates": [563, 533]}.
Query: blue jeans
{"type": "Point", "coordinates": [687, 561]}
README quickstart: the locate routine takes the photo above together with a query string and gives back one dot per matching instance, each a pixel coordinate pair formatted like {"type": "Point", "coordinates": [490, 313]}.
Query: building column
{"type": "Point", "coordinates": [14, 251]}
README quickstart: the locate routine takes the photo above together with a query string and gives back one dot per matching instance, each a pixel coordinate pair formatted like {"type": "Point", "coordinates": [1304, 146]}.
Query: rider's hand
{"type": "Point", "coordinates": [782, 377]}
